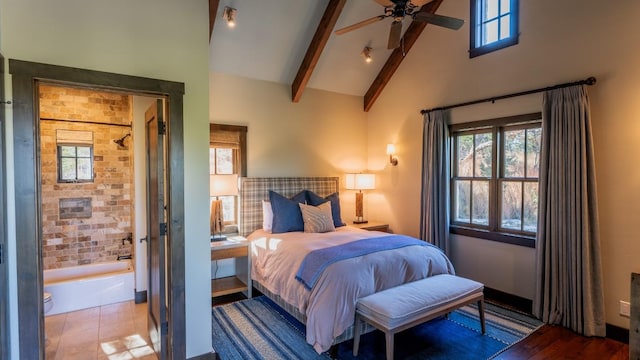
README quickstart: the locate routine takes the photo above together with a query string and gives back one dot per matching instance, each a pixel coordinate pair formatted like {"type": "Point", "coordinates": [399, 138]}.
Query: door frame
{"type": "Point", "coordinates": [4, 324]}
{"type": "Point", "coordinates": [25, 78]}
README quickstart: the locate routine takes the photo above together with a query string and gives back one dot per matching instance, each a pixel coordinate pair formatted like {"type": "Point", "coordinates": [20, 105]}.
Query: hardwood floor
{"type": "Point", "coordinates": [554, 342]}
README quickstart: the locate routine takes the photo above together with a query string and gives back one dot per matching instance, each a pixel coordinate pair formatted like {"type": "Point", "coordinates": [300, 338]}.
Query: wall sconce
{"type": "Point", "coordinates": [360, 182]}
{"type": "Point", "coordinates": [229, 14]}
{"type": "Point", "coordinates": [366, 54]}
{"type": "Point", "coordinates": [391, 151]}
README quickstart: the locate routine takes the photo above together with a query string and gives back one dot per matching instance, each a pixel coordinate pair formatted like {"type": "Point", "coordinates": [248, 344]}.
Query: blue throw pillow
{"type": "Point", "coordinates": [286, 212]}
{"type": "Point", "coordinates": [315, 200]}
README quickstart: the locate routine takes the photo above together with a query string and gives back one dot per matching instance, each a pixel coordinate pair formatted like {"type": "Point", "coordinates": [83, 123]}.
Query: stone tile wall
{"type": "Point", "coordinates": [99, 238]}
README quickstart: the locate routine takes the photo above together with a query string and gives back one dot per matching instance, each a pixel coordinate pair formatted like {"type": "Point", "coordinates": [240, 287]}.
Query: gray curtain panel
{"type": "Point", "coordinates": [434, 210]}
{"type": "Point", "coordinates": [569, 274]}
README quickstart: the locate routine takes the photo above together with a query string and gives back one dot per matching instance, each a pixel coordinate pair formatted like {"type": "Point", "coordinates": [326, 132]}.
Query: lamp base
{"type": "Point", "coordinates": [360, 221]}
{"type": "Point", "coordinates": [218, 238]}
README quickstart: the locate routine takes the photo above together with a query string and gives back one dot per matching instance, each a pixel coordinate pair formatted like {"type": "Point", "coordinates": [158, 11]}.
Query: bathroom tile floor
{"type": "Point", "coordinates": [115, 331]}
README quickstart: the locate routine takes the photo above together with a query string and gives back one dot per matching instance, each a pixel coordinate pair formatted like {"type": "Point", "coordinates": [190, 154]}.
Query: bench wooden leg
{"type": "Point", "coordinates": [481, 313]}
{"type": "Point", "coordinates": [389, 337]}
{"type": "Point", "coordinates": [356, 335]}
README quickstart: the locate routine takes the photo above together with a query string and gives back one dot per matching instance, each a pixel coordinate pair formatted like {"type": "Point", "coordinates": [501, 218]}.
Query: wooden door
{"type": "Point", "coordinates": [156, 230]}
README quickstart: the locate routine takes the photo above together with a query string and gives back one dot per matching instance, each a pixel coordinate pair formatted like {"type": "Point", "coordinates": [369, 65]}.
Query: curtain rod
{"type": "Point", "coordinates": [588, 81]}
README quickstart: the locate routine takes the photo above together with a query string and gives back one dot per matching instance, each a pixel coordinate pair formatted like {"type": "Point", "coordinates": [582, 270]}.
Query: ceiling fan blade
{"type": "Point", "coordinates": [384, 3]}
{"type": "Point", "coordinates": [395, 33]}
{"type": "Point", "coordinates": [439, 20]}
{"type": "Point", "coordinates": [360, 24]}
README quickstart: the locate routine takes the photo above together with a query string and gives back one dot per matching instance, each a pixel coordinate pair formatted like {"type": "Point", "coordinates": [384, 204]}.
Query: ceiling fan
{"type": "Point", "coordinates": [398, 9]}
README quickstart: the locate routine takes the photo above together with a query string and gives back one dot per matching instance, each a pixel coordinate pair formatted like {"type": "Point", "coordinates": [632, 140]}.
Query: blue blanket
{"type": "Point", "coordinates": [316, 261]}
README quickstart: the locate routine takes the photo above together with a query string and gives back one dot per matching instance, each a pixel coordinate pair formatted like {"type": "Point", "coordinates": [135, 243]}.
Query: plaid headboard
{"type": "Point", "coordinates": [254, 190]}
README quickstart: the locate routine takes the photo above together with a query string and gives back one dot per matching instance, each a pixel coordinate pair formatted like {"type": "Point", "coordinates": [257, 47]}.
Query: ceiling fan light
{"type": "Point", "coordinates": [366, 54]}
{"type": "Point", "coordinates": [229, 14]}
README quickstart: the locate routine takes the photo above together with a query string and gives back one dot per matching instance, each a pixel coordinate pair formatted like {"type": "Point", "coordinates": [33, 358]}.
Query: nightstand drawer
{"type": "Point", "coordinates": [383, 228]}
{"type": "Point", "coordinates": [229, 253]}
{"type": "Point", "coordinates": [372, 226]}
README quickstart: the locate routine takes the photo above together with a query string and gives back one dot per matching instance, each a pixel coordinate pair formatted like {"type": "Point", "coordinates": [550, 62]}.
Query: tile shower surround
{"type": "Point", "coordinates": [99, 238]}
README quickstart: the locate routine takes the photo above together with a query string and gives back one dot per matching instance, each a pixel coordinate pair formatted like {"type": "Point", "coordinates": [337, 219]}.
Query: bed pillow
{"type": "Point", "coordinates": [315, 200]}
{"type": "Point", "coordinates": [286, 212]}
{"type": "Point", "coordinates": [267, 215]}
{"type": "Point", "coordinates": [317, 219]}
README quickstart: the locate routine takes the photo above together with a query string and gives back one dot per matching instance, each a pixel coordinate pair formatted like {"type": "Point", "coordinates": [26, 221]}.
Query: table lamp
{"type": "Point", "coordinates": [360, 182]}
{"type": "Point", "coordinates": [220, 185]}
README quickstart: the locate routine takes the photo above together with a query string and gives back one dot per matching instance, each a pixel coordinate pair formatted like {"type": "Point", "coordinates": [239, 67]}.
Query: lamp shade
{"type": "Point", "coordinates": [391, 149]}
{"type": "Point", "coordinates": [360, 181]}
{"type": "Point", "coordinates": [223, 185]}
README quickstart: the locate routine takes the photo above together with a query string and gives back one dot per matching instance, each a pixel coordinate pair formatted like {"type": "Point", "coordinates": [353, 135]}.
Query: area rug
{"type": "Point", "coordinates": [259, 329]}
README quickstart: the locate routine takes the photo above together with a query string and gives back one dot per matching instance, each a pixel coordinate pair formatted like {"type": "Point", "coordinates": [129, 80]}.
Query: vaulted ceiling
{"type": "Point", "coordinates": [293, 42]}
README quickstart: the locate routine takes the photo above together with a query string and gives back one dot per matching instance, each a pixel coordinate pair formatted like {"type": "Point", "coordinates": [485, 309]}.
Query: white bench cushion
{"type": "Point", "coordinates": [399, 305]}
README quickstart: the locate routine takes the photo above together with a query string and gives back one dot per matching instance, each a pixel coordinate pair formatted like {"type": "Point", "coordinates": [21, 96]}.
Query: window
{"type": "Point", "coordinates": [227, 155]}
{"type": "Point", "coordinates": [495, 167]}
{"type": "Point", "coordinates": [221, 161]}
{"type": "Point", "coordinates": [75, 163]}
{"type": "Point", "coordinates": [494, 25]}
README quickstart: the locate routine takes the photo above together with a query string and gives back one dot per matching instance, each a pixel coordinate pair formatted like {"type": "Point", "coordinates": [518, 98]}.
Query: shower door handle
{"type": "Point", "coordinates": [143, 239]}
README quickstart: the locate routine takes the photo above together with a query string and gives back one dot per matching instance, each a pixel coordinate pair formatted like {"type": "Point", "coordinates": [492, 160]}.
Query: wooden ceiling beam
{"type": "Point", "coordinates": [320, 38]}
{"type": "Point", "coordinates": [213, 11]}
{"type": "Point", "coordinates": [393, 62]}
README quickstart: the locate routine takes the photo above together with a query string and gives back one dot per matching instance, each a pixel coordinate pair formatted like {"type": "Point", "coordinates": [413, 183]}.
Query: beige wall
{"type": "Point", "coordinates": [560, 41]}
{"type": "Point", "coordinates": [162, 39]}
{"type": "Point", "coordinates": [322, 135]}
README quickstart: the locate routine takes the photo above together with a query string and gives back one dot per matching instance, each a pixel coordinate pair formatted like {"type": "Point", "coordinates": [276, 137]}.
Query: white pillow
{"type": "Point", "coordinates": [267, 215]}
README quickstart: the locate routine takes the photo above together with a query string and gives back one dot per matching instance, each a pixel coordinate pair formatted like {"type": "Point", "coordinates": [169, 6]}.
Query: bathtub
{"type": "Point", "coordinates": [85, 286]}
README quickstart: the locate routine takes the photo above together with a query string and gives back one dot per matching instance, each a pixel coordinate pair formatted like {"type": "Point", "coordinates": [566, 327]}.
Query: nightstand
{"type": "Point", "coordinates": [234, 247]}
{"type": "Point", "coordinates": [372, 226]}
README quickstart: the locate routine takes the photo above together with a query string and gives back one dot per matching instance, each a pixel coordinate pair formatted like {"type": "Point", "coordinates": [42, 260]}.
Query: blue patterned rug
{"type": "Point", "coordinates": [259, 329]}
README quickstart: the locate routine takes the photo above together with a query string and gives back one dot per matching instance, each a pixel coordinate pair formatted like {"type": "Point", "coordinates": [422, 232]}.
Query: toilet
{"type": "Point", "coordinates": [48, 302]}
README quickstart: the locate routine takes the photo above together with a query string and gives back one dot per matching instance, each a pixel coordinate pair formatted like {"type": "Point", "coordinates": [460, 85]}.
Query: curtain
{"type": "Point", "coordinates": [569, 275]}
{"type": "Point", "coordinates": [434, 209]}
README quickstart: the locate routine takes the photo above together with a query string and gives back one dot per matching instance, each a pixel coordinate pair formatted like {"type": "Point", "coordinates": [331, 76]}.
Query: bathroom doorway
{"type": "Point", "coordinates": [93, 187]}
{"type": "Point", "coordinates": [26, 78]}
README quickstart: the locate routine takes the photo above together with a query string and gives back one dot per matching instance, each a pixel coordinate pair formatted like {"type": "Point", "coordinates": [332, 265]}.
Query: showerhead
{"type": "Point", "coordinates": [120, 141]}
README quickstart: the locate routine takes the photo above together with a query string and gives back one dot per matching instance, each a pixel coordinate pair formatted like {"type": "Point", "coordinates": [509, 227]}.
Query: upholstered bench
{"type": "Point", "coordinates": [414, 303]}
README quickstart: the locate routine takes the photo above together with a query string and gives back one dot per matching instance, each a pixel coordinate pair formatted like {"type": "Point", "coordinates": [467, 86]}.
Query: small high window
{"type": "Point", "coordinates": [494, 25]}
{"type": "Point", "coordinates": [75, 163]}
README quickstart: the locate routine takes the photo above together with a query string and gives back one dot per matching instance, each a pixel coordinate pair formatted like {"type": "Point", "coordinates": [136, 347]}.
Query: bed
{"type": "Point", "coordinates": [325, 302]}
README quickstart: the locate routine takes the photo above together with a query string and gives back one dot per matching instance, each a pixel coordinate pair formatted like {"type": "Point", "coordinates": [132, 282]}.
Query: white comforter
{"type": "Point", "coordinates": [330, 304]}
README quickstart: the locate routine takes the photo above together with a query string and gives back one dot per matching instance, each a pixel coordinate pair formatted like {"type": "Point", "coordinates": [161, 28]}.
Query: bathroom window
{"type": "Point", "coordinates": [75, 163]}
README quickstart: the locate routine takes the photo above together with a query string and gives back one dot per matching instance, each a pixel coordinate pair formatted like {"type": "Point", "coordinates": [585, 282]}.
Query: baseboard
{"type": "Point", "coordinates": [140, 297]}
{"type": "Point", "coordinates": [519, 303]}
{"type": "Point", "coordinates": [525, 305]}
{"type": "Point", "coordinates": [617, 333]}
